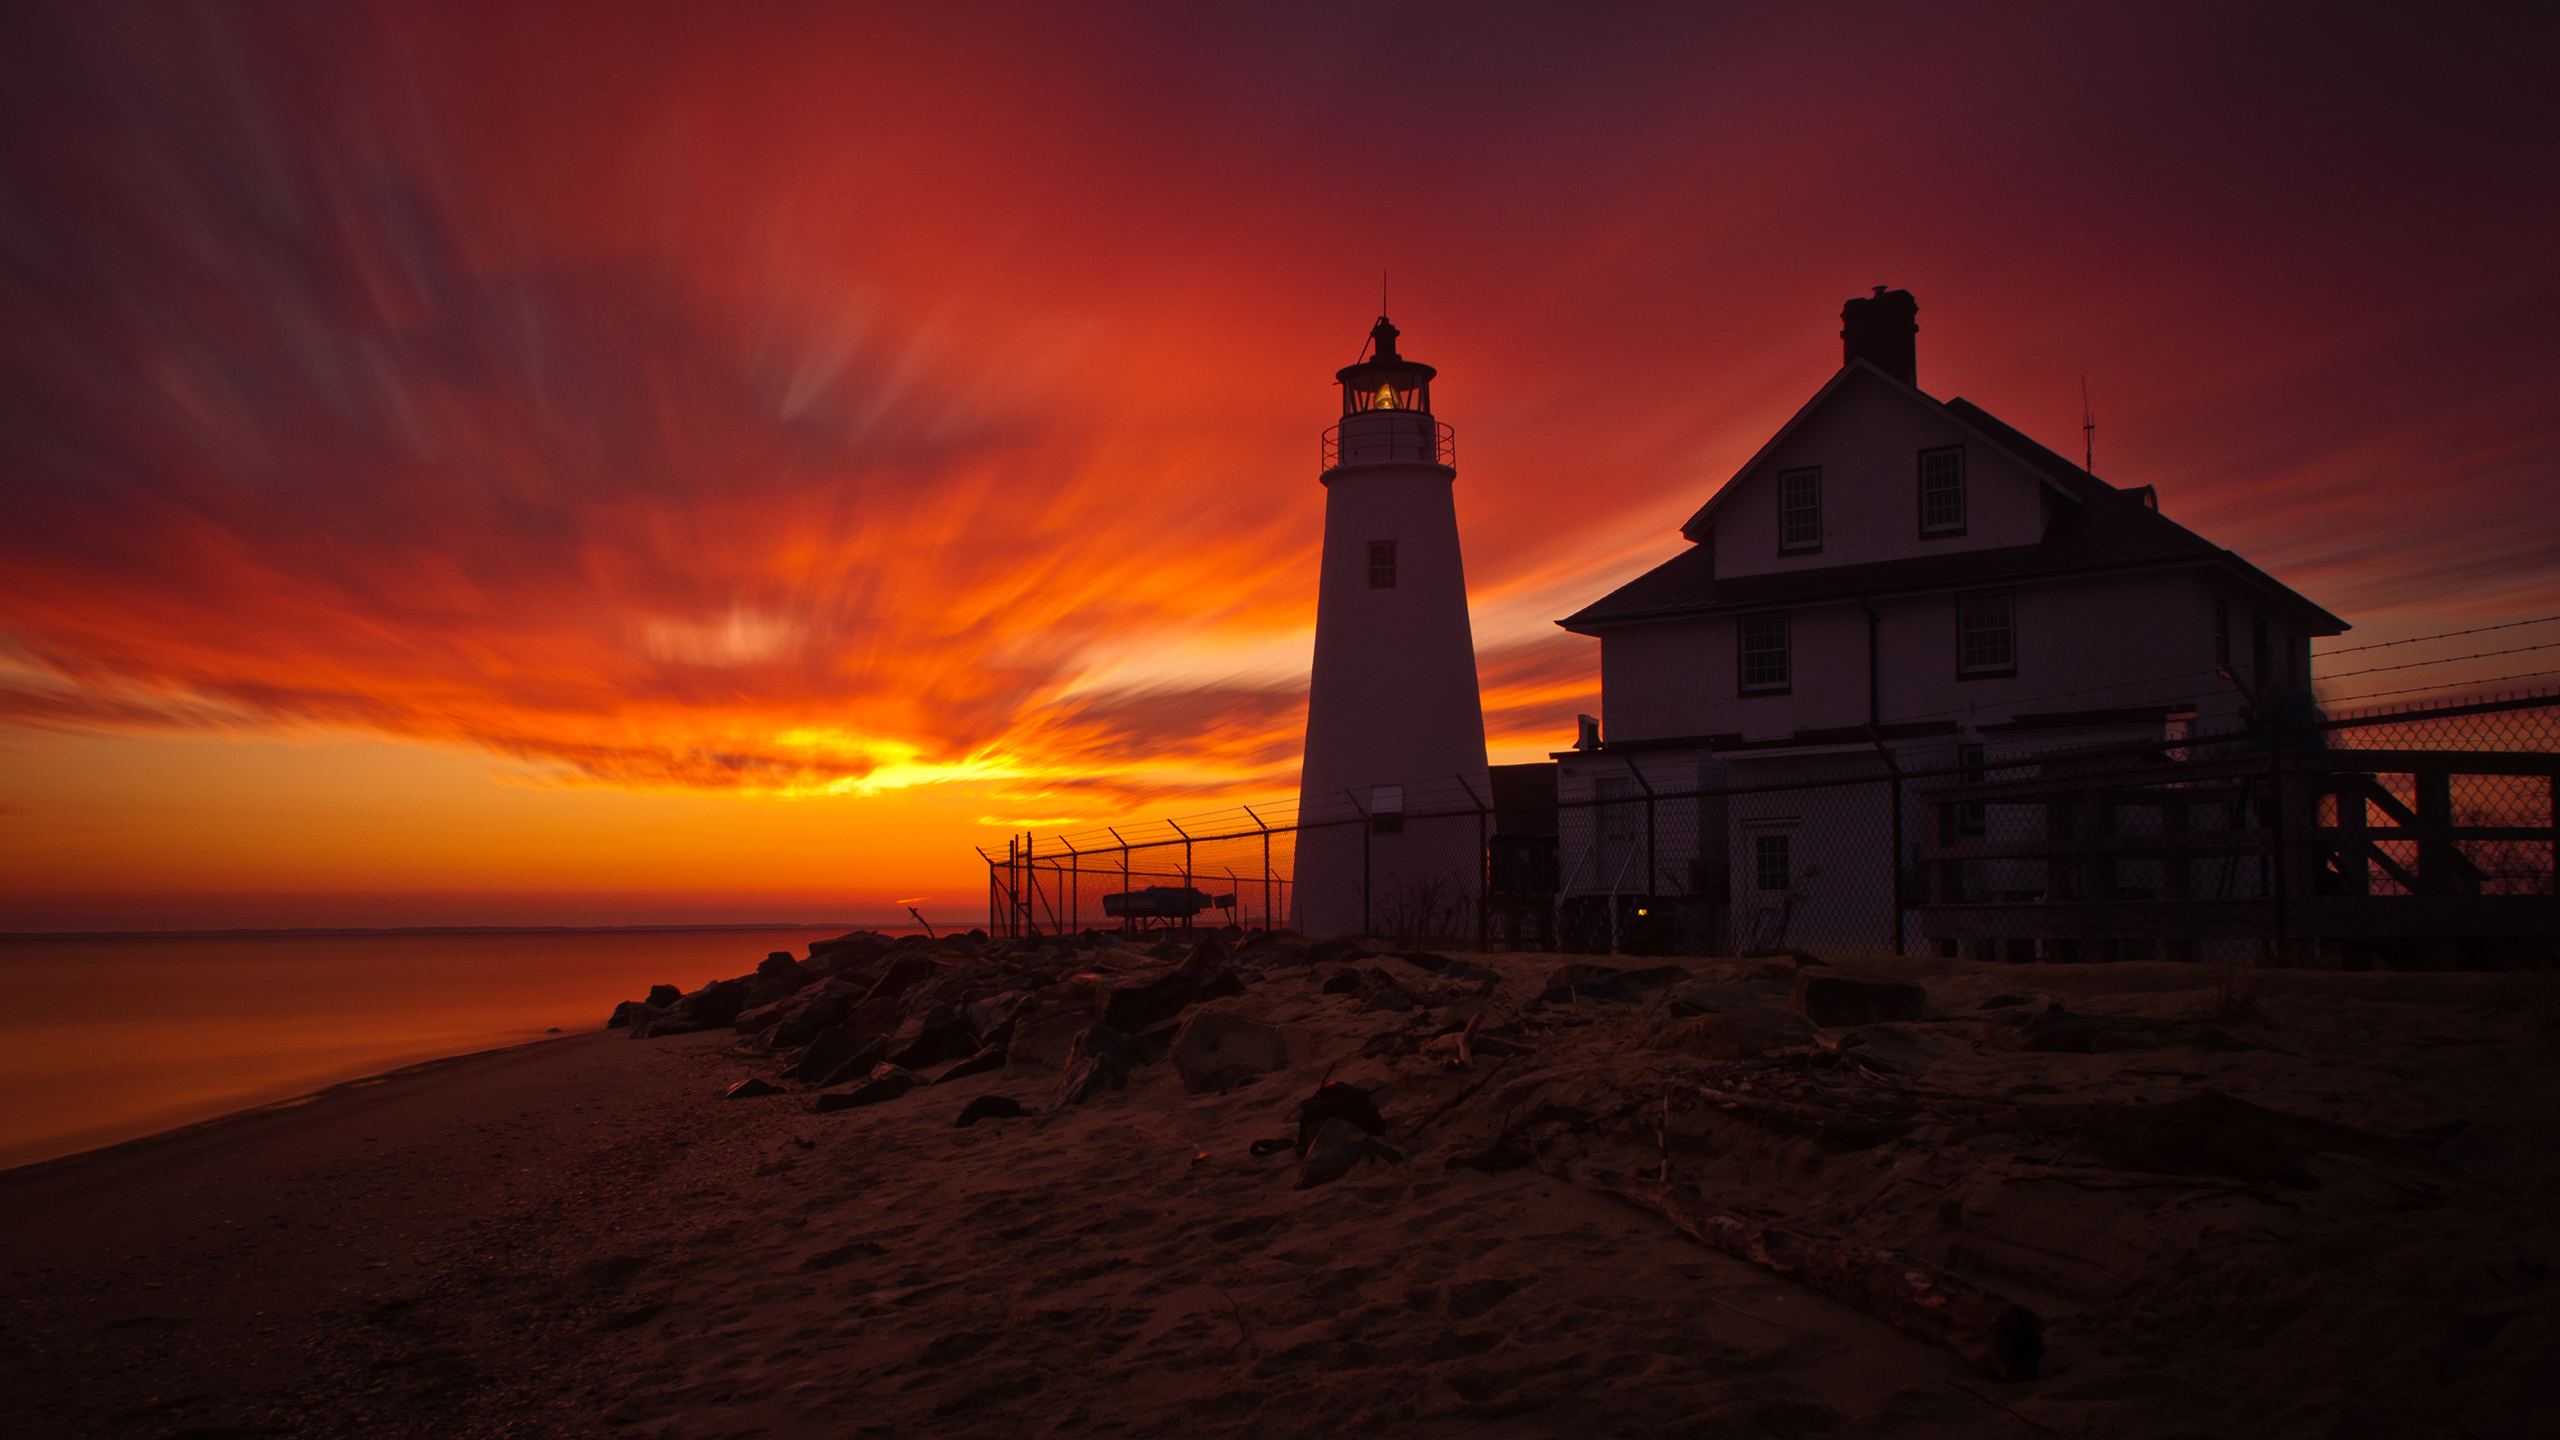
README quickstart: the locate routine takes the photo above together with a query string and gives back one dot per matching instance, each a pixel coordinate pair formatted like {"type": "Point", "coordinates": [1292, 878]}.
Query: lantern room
{"type": "Point", "coordinates": [1386, 380]}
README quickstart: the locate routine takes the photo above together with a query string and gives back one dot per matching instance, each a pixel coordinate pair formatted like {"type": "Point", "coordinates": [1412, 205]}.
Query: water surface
{"type": "Point", "coordinates": [104, 1039]}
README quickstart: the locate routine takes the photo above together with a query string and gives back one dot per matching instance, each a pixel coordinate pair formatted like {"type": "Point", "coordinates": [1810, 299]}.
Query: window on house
{"type": "Point", "coordinates": [1972, 817]}
{"type": "Point", "coordinates": [2222, 633]}
{"type": "Point", "coordinates": [1986, 634]}
{"type": "Point", "coordinates": [1765, 667]}
{"type": "Point", "coordinates": [1942, 491]}
{"type": "Point", "coordinates": [1772, 868]}
{"type": "Point", "coordinates": [1386, 809]}
{"type": "Point", "coordinates": [1382, 564]}
{"type": "Point", "coordinates": [1800, 509]}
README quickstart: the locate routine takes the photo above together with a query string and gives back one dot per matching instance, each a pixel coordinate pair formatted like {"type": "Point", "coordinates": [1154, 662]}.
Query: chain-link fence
{"type": "Point", "coordinates": [2422, 834]}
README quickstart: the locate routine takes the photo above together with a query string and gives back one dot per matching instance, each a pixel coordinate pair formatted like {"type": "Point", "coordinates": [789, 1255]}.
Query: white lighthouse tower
{"type": "Point", "coordinates": [1395, 727]}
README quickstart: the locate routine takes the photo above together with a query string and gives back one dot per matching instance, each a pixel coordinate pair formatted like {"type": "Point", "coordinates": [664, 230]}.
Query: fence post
{"type": "Point", "coordinates": [1187, 886]}
{"type": "Point", "coordinates": [1266, 867]}
{"type": "Point", "coordinates": [1124, 875]}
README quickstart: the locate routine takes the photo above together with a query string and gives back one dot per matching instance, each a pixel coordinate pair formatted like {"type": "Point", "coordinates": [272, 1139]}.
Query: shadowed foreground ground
{"type": "Point", "coordinates": [581, 1237]}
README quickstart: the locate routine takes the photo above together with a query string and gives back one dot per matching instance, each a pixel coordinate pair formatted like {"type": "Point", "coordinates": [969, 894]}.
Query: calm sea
{"type": "Point", "coordinates": [107, 1039]}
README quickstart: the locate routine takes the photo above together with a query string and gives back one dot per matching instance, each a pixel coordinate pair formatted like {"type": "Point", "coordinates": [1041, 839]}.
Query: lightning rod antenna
{"type": "Point", "coordinates": [2088, 430]}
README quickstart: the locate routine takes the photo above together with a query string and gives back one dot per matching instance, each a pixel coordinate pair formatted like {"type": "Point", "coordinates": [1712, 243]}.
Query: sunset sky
{"type": "Point", "coordinates": [629, 464]}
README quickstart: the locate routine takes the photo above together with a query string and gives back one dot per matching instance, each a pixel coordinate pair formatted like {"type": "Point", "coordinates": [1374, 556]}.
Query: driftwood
{"type": "Point", "coordinates": [1831, 1129]}
{"type": "Point", "coordinates": [2002, 1337]}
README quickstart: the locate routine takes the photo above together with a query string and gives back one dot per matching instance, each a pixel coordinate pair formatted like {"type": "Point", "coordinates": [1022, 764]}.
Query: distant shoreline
{"type": "Point", "coordinates": [327, 932]}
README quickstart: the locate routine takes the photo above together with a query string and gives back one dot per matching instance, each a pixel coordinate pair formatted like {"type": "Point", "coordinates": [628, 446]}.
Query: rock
{"type": "Point", "coordinates": [992, 1019]}
{"type": "Point", "coordinates": [1214, 1049]}
{"type": "Point", "coordinates": [1337, 1146]}
{"type": "Point", "coordinates": [1424, 961]}
{"type": "Point", "coordinates": [990, 1058]}
{"type": "Point", "coordinates": [831, 1056]}
{"type": "Point", "coordinates": [1659, 977]}
{"type": "Point", "coordinates": [1140, 1001]}
{"type": "Point", "coordinates": [1342, 982]}
{"type": "Point", "coordinates": [1709, 997]}
{"type": "Point", "coordinates": [930, 1040]}
{"type": "Point", "coordinates": [989, 1107]}
{"type": "Point", "coordinates": [1897, 1049]}
{"type": "Point", "coordinates": [1734, 1035]}
{"type": "Point", "coordinates": [814, 1009]}
{"type": "Point", "coordinates": [623, 1012]}
{"type": "Point", "coordinates": [1042, 1041]}
{"type": "Point", "coordinates": [715, 1004]}
{"type": "Point", "coordinates": [2003, 1002]}
{"type": "Point", "coordinates": [1581, 972]}
{"type": "Point", "coordinates": [778, 978]}
{"type": "Point", "coordinates": [1829, 997]}
{"type": "Point", "coordinates": [751, 1088]}
{"type": "Point", "coordinates": [1334, 1100]}
{"type": "Point", "coordinates": [1607, 992]}
{"type": "Point", "coordinates": [1096, 1062]}
{"type": "Point", "coordinates": [887, 1082]}
{"type": "Point", "coordinates": [755, 1020]}
{"type": "Point", "coordinates": [664, 996]}
{"type": "Point", "coordinates": [1379, 991]}
{"type": "Point", "coordinates": [902, 974]}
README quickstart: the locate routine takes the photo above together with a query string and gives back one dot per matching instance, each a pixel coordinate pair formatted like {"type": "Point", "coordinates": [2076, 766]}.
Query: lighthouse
{"type": "Point", "coordinates": [1392, 834]}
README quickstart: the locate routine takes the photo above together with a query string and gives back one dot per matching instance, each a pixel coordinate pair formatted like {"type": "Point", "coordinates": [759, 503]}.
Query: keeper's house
{"type": "Point", "coordinates": [1891, 572]}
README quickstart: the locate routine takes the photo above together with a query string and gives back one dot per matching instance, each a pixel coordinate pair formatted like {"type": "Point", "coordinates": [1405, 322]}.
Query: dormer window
{"type": "Point", "coordinates": [1800, 510]}
{"type": "Point", "coordinates": [1942, 491]}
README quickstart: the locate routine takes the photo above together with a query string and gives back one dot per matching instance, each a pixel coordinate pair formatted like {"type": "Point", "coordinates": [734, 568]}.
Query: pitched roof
{"type": "Point", "coordinates": [2107, 529]}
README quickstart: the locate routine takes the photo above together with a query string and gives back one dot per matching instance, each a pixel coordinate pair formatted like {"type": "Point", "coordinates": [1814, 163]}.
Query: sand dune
{"type": "Point", "coordinates": [582, 1237]}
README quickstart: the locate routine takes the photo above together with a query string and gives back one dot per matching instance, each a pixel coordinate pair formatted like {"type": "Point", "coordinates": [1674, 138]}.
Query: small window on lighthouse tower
{"type": "Point", "coordinates": [1382, 564]}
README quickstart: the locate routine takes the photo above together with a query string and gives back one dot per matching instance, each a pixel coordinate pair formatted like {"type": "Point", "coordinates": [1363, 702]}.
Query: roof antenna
{"type": "Point", "coordinates": [1382, 293]}
{"type": "Point", "coordinates": [2088, 430]}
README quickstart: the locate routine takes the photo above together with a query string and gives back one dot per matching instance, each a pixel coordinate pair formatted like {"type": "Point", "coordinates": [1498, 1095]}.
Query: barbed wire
{"type": "Point", "coordinates": [2439, 635]}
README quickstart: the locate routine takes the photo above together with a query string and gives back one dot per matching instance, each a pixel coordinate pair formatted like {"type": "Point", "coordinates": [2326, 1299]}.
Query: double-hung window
{"type": "Point", "coordinates": [1942, 491]}
{"type": "Point", "coordinates": [1382, 564]}
{"type": "Point", "coordinates": [1800, 509]}
{"type": "Point", "coordinates": [1772, 868]}
{"type": "Point", "coordinates": [1986, 634]}
{"type": "Point", "coordinates": [1767, 667]}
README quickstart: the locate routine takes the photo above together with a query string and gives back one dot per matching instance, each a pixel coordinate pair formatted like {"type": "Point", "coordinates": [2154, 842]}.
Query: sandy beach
{"type": "Point", "coordinates": [583, 1237]}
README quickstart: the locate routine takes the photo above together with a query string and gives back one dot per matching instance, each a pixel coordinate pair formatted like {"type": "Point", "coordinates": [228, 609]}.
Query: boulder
{"type": "Point", "coordinates": [1379, 991]}
{"type": "Point", "coordinates": [1345, 981]}
{"type": "Point", "coordinates": [813, 1010]}
{"type": "Point", "coordinates": [1830, 997]}
{"type": "Point", "coordinates": [1042, 1041]}
{"type": "Point", "coordinates": [1583, 992]}
{"type": "Point", "coordinates": [778, 978]}
{"type": "Point", "coordinates": [1333, 1100]}
{"type": "Point", "coordinates": [623, 1012]}
{"type": "Point", "coordinates": [887, 1082]}
{"type": "Point", "coordinates": [715, 1004]}
{"type": "Point", "coordinates": [1097, 1061]}
{"type": "Point", "coordinates": [992, 1019]}
{"type": "Point", "coordinates": [1734, 1035]}
{"type": "Point", "coordinates": [834, 1048]}
{"type": "Point", "coordinates": [1337, 1146]}
{"type": "Point", "coordinates": [989, 1107]}
{"type": "Point", "coordinates": [990, 1058]}
{"type": "Point", "coordinates": [1214, 1049]}
{"type": "Point", "coordinates": [757, 1019]}
{"type": "Point", "coordinates": [751, 1088]}
{"type": "Point", "coordinates": [664, 997]}
{"type": "Point", "coordinates": [1709, 997]}
{"type": "Point", "coordinates": [930, 1039]}
{"type": "Point", "coordinates": [902, 974]}
{"type": "Point", "coordinates": [1139, 1001]}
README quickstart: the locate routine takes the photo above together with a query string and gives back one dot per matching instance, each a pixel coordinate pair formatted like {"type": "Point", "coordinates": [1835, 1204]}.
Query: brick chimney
{"type": "Point", "coordinates": [1879, 329]}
